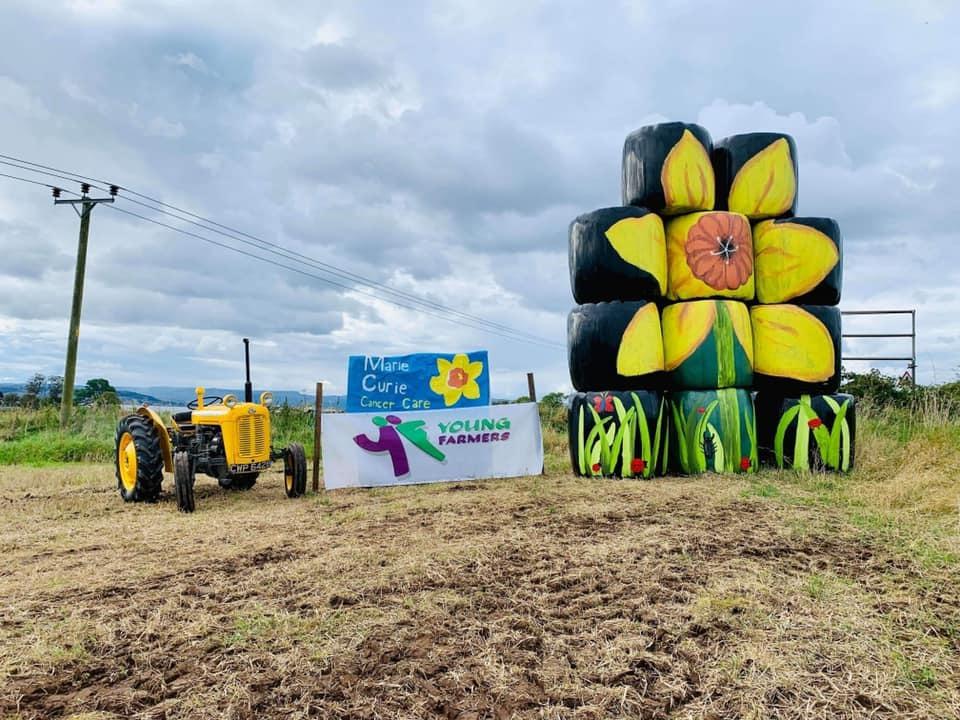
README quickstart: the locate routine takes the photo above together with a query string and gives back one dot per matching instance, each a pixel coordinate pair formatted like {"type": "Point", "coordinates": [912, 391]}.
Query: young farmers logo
{"type": "Point", "coordinates": [391, 429]}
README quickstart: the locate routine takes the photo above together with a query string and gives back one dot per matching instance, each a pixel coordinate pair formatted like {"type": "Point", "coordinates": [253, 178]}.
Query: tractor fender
{"type": "Point", "coordinates": [162, 433]}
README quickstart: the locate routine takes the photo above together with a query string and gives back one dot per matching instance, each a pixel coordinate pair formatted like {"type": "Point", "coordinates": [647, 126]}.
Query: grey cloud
{"type": "Point", "coordinates": [338, 67]}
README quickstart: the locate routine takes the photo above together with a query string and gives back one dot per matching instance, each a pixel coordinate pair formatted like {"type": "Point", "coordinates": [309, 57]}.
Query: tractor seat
{"type": "Point", "coordinates": [183, 417]}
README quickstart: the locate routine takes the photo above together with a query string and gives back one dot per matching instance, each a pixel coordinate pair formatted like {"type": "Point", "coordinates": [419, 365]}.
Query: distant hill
{"type": "Point", "coordinates": [180, 396]}
{"type": "Point", "coordinates": [164, 395]}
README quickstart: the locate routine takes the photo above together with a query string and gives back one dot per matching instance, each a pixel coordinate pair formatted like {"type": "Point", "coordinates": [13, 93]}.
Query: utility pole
{"type": "Point", "coordinates": [69, 374]}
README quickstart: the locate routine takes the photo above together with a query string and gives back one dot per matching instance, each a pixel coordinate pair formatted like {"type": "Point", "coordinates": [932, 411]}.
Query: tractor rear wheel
{"type": "Point", "coordinates": [183, 479]}
{"type": "Point", "coordinates": [138, 459]}
{"type": "Point", "coordinates": [294, 470]}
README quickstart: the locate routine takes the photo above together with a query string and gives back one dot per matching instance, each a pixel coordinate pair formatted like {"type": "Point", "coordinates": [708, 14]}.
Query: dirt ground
{"type": "Point", "coordinates": [546, 597]}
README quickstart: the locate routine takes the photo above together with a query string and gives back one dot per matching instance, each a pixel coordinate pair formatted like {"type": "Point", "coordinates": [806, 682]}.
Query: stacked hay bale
{"type": "Point", "coordinates": [664, 284]}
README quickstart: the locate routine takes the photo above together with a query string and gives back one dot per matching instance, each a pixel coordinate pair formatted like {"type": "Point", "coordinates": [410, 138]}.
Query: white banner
{"type": "Point", "coordinates": [373, 449]}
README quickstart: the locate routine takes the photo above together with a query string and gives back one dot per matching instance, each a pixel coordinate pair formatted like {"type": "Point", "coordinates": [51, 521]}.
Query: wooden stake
{"type": "Point", "coordinates": [532, 392]}
{"type": "Point", "coordinates": [317, 420]}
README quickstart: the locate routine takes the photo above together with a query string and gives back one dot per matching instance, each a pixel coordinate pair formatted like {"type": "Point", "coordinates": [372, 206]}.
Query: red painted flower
{"type": "Point", "coordinates": [596, 467]}
{"type": "Point", "coordinates": [638, 465]}
{"type": "Point", "coordinates": [720, 250]}
{"type": "Point", "coordinates": [815, 423]}
{"type": "Point", "coordinates": [701, 410]}
{"type": "Point", "coordinates": [745, 463]}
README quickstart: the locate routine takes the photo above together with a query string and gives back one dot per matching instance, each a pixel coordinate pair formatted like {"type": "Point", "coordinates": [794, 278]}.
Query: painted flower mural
{"type": "Point", "coordinates": [456, 379]}
{"type": "Point", "coordinates": [746, 300]}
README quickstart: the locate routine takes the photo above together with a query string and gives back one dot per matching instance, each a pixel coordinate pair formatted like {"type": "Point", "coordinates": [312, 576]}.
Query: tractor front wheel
{"type": "Point", "coordinates": [138, 459]}
{"type": "Point", "coordinates": [294, 470]}
{"type": "Point", "coordinates": [183, 478]}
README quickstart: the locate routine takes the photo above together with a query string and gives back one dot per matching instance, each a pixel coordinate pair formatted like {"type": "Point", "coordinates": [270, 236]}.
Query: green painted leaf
{"type": "Point", "coordinates": [655, 453]}
{"type": "Point", "coordinates": [625, 424]}
{"type": "Point", "coordinates": [782, 428]}
{"type": "Point", "coordinates": [625, 447]}
{"type": "Point", "coordinates": [697, 450]}
{"type": "Point", "coordinates": [665, 451]}
{"type": "Point", "coordinates": [719, 455]}
{"type": "Point", "coordinates": [580, 444]}
{"type": "Point", "coordinates": [839, 420]}
{"type": "Point", "coordinates": [801, 443]}
{"type": "Point", "coordinates": [750, 423]}
{"type": "Point", "coordinates": [641, 420]}
{"type": "Point", "coordinates": [680, 433]}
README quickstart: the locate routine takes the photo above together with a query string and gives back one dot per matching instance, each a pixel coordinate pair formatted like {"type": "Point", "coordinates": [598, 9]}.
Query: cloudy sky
{"type": "Point", "coordinates": [441, 148]}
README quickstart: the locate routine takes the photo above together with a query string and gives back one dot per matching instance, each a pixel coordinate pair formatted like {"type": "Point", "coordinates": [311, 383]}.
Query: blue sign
{"type": "Point", "coordinates": [425, 381]}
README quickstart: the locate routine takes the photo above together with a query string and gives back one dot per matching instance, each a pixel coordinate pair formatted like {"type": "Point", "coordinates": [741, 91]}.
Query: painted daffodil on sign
{"type": "Point", "coordinates": [457, 379]}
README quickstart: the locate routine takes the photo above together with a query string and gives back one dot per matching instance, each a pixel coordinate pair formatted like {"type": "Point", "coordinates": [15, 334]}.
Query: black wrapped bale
{"type": "Point", "coordinates": [756, 174]}
{"type": "Point", "coordinates": [798, 260]}
{"type": "Point", "coordinates": [667, 168]}
{"type": "Point", "coordinates": [615, 345]}
{"type": "Point", "coordinates": [796, 349]}
{"type": "Point", "coordinates": [618, 253]}
{"type": "Point", "coordinates": [810, 432]}
{"type": "Point", "coordinates": [712, 431]}
{"type": "Point", "coordinates": [709, 254]}
{"type": "Point", "coordinates": [707, 344]}
{"type": "Point", "coordinates": [617, 434]}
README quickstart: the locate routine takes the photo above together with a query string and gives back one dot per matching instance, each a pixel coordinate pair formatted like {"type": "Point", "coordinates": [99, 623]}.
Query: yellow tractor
{"type": "Point", "coordinates": [220, 436]}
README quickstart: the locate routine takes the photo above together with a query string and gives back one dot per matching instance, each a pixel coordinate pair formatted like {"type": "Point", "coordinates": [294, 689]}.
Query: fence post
{"type": "Point", "coordinates": [317, 420]}
{"type": "Point", "coordinates": [913, 349]}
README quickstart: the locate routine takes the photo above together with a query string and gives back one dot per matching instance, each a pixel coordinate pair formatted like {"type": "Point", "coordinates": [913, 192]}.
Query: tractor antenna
{"type": "Point", "coordinates": [248, 387]}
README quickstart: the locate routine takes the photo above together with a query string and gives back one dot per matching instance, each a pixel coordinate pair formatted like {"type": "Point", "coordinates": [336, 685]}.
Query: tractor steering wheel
{"type": "Point", "coordinates": [207, 400]}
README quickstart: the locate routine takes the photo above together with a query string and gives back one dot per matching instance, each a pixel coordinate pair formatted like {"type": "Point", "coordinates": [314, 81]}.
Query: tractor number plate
{"type": "Point", "coordinates": [250, 467]}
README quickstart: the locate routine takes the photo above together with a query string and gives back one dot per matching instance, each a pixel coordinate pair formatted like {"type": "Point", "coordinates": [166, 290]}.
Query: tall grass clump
{"type": "Point", "coordinates": [907, 456]}
{"type": "Point", "coordinates": [33, 437]}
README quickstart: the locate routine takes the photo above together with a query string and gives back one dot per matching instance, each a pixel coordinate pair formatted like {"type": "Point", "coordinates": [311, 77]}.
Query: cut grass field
{"type": "Point", "coordinates": [779, 595]}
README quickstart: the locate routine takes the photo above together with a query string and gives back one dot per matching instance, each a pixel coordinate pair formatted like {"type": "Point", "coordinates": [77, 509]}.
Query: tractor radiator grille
{"type": "Point", "coordinates": [252, 432]}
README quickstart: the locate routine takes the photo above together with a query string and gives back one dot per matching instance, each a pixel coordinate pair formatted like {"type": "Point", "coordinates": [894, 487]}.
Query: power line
{"type": "Point", "coordinates": [320, 278]}
{"type": "Point", "coordinates": [32, 182]}
{"type": "Point", "coordinates": [287, 254]}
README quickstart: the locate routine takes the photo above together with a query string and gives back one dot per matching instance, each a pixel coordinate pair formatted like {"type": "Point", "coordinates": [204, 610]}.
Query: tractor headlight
{"type": "Point", "coordinates": [229, 400]}
{"type": "Point", "coordinates": [266, 399]}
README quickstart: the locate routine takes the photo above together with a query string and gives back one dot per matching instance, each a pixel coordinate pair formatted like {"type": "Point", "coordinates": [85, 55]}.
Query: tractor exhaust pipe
{"type": "Point", "coordinates": [248, 386]}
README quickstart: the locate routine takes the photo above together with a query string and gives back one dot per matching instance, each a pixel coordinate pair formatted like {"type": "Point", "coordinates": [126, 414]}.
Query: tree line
{"type": "Point", "coordinates": [42, 390]}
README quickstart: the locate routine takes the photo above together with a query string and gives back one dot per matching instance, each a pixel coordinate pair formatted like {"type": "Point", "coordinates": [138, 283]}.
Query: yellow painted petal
{"type": "Point", "coordinates": [438, 383]}
{"type": "Point", "coordinates": [443, 366]}
{"type": "Point", "coordinates": [471, 391]}
{"type": "Point", "coordinates": [641, 242]}
{"type": "Point", "coordinates": [740, 319]}
{"type": "Point", "coordinates": [451, 396]}
{"type": "Point", "coordinates": [461, 361]}
{"type": "Point", "coordinates": [641, 346]}
{"type": "Point", "coordinates": [790, 342]}
{"type": "Point", "coordinates": [687, 177]}
{"type": "Point", "coordinates": [766, 184]}
{"type": "Point", "coordinates": [475, 369]}
{"type": "Point", "coordinates": [790, 259]}
{"type": "Point", "coordinates": [685, 327]}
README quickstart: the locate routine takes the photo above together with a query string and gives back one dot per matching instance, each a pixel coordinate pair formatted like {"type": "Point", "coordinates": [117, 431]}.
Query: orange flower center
{"type": "Point", "coordinates": [457, 378]}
